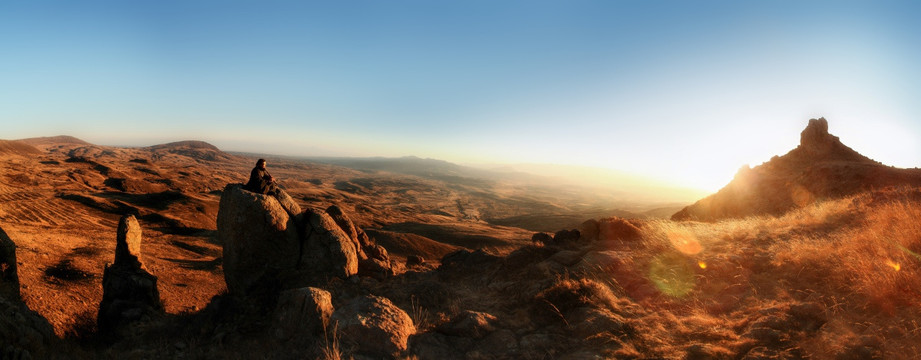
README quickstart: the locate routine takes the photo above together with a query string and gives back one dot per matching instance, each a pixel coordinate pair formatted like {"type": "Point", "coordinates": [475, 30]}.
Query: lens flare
{"type": "Point", "coordinates": [801, 196]}
{"type": "Point", "coordinates": [702, 264]}
{"type": "Point", "coordinates": [672, 274]}
{"type": "Point", "coordinates": [684, 241]}
{"type": "Point", "coordinates": [894, 265]}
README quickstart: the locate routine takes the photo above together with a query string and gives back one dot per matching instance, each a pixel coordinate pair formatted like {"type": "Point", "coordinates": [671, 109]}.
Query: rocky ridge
{"type": "Point", "coordinates": [820, 168]}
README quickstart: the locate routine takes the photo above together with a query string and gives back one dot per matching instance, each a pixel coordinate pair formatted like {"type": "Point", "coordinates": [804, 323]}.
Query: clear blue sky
{"type": "Point", "coordinates": [687, 91]}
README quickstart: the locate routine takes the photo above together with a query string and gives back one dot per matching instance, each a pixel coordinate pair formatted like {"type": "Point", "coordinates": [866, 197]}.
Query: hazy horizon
{"type": "Point", "coordinates": [682, 92]}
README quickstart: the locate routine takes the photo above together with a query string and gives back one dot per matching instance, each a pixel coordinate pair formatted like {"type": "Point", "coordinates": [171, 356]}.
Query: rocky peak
{"type": "Point", "coordinates": [815, 138]}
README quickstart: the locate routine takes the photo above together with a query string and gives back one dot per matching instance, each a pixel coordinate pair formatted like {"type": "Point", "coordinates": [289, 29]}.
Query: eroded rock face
{"type": "Point", "coordinates": [129, 291]}
{"type": "Point", "coordinates": [9, 278]}
{"type": "Point", "coordinates": [374, 326]}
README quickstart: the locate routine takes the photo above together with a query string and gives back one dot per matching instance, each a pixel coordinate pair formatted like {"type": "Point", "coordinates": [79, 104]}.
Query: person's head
{"type": "Point", "coordinates": [260, 163]}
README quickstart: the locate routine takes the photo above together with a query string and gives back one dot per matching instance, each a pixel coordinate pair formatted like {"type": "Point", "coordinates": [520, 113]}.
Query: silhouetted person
{"type": "Point", "coordinates": [260, 181]}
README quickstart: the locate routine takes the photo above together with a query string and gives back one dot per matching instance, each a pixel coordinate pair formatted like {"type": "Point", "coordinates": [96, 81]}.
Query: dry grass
{"type": "Point", "coordinates": [857, 257]}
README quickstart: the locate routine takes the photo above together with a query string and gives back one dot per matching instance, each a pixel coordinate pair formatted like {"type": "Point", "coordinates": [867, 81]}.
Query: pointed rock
{"type": "Point", "coordinates": [128, 242]}
{"type": "Point", "coordinates": [129, 292]}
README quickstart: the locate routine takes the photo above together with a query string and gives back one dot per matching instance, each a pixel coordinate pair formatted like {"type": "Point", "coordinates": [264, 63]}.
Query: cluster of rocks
{"type": "Point", "coordinates": [273, 249]}
{"type": "Point", "coordinates": [129, 290]}
{"type": "Point", "coordinates": [270, 240]}
{"type": "Point", "coordinates": [606, 229]}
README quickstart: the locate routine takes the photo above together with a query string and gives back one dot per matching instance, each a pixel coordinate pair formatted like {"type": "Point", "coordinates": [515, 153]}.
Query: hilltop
{"type": "Point", "coordinates": [17, 148]}
{"type": "Point", "coordinates": [820, 168]}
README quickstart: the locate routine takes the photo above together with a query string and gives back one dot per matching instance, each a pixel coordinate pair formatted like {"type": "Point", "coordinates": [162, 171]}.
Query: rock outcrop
{"type": "Point", "coordinates": [24, 334]}
{"type": "Point", "coordinates": [268, 240]}
{"type": "Point", "coordinates": [129, 290]}
{"type": "Point", "coordinates": [821, 167]}
{"type": "Point", "coordinates": [9, 278]}
{"type": "Point", "coordinates": [374, 326]}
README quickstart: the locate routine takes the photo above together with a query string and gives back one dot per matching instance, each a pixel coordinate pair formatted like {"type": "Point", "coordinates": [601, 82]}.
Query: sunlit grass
{"type": "Point", "coordinates": [858, 258]}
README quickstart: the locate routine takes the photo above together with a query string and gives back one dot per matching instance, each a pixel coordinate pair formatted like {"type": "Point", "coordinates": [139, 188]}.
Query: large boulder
{"type": "Point", "coordinates": [9, 278]}
{"type": "Point", "coordinates": [374, 326]}
{"type": "Point", "coordinates": [129, 291]}
{"type": "Point", "coordinates": [258, 236]}
{"type": "Point", "coordinates": [329, 249]}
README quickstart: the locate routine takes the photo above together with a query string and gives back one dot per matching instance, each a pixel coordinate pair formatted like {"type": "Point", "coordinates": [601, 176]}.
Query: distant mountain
{"type": "Point", "coordinates": [821, 167]}
{"type": "Point", "coordinates": [409, 165]}
{"type": "Point", "coordinates": [54, 140]}
{"type": "Point", "coordinates": [192, 148]}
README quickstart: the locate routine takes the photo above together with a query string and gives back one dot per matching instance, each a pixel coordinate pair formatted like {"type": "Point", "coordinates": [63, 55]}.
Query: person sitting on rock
{"type": "Point", "coordinates": [260, 181]}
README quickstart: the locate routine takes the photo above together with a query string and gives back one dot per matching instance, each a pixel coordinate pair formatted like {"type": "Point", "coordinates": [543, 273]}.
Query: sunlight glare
{"type": "Point", "coordinates": [684, 241]}
{"type": "Point", "coordinates": [672, 274]}
{"type": "Point", "coordinates": [894, 265]}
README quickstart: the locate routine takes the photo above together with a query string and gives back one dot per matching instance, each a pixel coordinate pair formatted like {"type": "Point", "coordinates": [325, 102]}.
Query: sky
{"type": "Point", "coordinates": [686, 92]}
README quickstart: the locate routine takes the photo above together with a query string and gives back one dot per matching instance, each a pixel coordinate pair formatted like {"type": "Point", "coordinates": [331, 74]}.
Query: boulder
{"type": "Point", "coordinates": [9, 278]}
{"type": "Point", "coordinates": [258, 236]}
{"type": "Point", "coordinates": [542, 238]}
{"type": "Point", "coordinates": [303, 312]}
{"type": "Point", "coordinates": [291, 207]}
{"type": "Point", "coordinates": [347, 226]}
{"type": "Point", "coordinates": [615, 228]}
{"type": "Point", "coordinates": [374, 326]}
{"type": "Point", "coordinates": [589, 230]}
{"type": "Point", "coordinates": [414, 260]}
{"type": "Point", "coordinates": [375, 268]}
{"type": "Point", "coordinates": [329, 250]}
{"type": "Point", "coordinates": [129, 291]}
